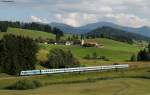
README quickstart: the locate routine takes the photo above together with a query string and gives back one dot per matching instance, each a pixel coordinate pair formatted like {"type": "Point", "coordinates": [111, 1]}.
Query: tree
{"type": "Point", "coordinates": [133, 58]}
{"type": "Point", "coordinates": [17, 53]}
{"type": "Point", "coordinates": [94, 55]}
{"type": "Point", "coordinates": [149, 47]}
{"type": "Point", "coordinates": [58, 33]}
{"type": "Point", "coordinates": [3, 27]}
{"type": "Point", "coordinates": [32, 26]}
{"type": "Point", "coordinates": [143, 55]}
{"type": "Point", "coordinates": [87, 56]}
{"type": "Point", "coordinates": [61, 59]}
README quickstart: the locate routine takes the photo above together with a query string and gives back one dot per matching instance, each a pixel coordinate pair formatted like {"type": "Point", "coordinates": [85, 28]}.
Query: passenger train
{"type": "Point", "coordinates": [69, 70]}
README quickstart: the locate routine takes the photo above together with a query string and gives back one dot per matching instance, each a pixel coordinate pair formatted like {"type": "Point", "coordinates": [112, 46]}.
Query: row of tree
{"type": "Point", "coordinates": [17, 53]}
{"type": "Point", "coordinates": [32, 26]}
{"type": "Point", "coordinates": [143, 55]}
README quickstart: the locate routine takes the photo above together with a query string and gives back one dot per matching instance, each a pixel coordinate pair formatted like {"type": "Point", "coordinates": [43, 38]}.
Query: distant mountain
{"type": "Point", "coordinates": [65, 28]}
{"type": "Point", "coordinates": [116, 34]}
{"type": "Point", "coordinates": [89, 27]}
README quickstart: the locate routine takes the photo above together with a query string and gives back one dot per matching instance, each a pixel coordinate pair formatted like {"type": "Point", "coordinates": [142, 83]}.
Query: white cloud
{"type": "Point", "coordinates": [76, 19]}
{"type": "Point", "coordinates": [122, 12]}
{"type": "Point", "coordinates": [70, 19]}
{"type": "Point", "coordinates": [36, 19]}
{"type": "Point", "coordinates": [129, 19]}
{"type": "Point", "coordinates": [80, 12]}
{"type": "Point", "coordinates": [106, 9]}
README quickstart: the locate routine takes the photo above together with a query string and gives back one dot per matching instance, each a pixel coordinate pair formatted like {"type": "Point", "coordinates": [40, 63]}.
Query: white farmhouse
{"type": "Point", "coordinates": [68, 43]}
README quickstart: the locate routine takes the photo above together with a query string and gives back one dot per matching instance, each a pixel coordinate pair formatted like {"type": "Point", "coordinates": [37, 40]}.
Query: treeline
{"type": "Point", "coordinates": [116, 34]}
{"type": "Point", "coordinates": [17, 53]}
{"type": "Point", "coordinates": [32, 26]}
{"type": "Point", "coordinates": [143, 55]}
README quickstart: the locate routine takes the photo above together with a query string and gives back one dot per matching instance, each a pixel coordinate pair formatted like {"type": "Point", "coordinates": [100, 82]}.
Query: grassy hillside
{"type": "Point", "coordinates": [30, 33]}
{"type": "Point", "coordinates": [114, 50]}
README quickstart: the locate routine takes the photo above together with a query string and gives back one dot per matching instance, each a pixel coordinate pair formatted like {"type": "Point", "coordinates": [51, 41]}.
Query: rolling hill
{"type": "Point", "coordinates": [145, 30]}
{"type": "Point", "coordinates": [117, 34]}
{"type": "Point", "coordinates": [122, 51]}
{"type": "Point", "coordinates": [27, 33]}
{"type": "Point", "coordinates": [30, 33]}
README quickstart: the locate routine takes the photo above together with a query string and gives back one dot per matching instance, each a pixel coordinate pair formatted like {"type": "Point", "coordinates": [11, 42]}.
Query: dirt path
{"type": "Point", "coordinates": [122, 90]}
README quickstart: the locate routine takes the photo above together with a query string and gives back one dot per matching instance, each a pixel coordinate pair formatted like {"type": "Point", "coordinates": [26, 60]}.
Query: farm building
{"type": "Point", "coordinates": [91, 43]}
{"type": "Point", "coordinates": [68, 43]}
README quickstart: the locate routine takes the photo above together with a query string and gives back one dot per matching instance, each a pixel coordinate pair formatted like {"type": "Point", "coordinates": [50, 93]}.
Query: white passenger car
{"type": "Point", "coordinates": [30, 72]}
{"type": "Point", "coordinates": [69, 70]}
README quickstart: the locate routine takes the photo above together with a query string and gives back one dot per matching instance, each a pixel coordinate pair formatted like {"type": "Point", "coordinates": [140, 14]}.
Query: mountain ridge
{"type": "Point", "coordinates": [144, 30]}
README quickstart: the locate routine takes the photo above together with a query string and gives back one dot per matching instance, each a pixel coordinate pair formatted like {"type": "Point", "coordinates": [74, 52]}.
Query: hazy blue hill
{"type": "Point", "coordinates": [117, 34]}
{"type": "Point", "coordinates": [90, 27]}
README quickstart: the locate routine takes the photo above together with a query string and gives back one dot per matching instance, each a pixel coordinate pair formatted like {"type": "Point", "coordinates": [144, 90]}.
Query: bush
{"type": "Point", "coordinates": [25, 84]}
{"type": "Point", "coordinates": [94, 56]}
{"type": "Point", "coordinates": [59, 58]}
{"type": "Point", "coordinates": [42, 56]}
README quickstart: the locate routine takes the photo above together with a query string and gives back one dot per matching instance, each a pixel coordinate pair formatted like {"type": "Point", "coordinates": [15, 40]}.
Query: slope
{"type": "Point", "coordinates": [27, 33]}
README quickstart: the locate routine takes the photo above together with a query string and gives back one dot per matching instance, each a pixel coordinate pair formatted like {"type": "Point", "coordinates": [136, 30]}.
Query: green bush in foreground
{"type": "Point", "coordinates": [25, 84]}
{"type": "Point", "coordinates": [59, 58]}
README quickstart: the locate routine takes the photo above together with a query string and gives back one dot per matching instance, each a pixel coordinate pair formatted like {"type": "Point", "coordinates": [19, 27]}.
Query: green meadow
{"type": "Point", "coordinates": [133, 81]}
{"type": "Point", "coordinates": [122, 82]}
{"type": "Point", "coordinates": [113, 50]}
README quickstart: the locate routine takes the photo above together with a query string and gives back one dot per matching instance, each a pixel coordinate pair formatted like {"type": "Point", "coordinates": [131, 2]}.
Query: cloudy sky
{"type": "Point", "coordinates": [133, 13]}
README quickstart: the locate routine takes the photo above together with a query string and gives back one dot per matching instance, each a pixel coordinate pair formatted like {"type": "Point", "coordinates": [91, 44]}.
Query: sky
{"type": "Point", "coordinates": [132, 13]}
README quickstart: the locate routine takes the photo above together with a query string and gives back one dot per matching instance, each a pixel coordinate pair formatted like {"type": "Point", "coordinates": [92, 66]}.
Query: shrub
{"type": "Point", "coordinates": [42, 56]}
{"type": "Point", "coordinates": [37, 83]}
{"type": "Point", "coordinates": [25, 84]}
{"type": "Point", "coordinates": [59, 58]}
{"type": "Point", "coordinates": [94, 56]}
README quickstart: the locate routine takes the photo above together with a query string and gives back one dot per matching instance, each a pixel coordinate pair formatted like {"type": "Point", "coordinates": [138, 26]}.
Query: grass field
{"type": "Point", "coordinates": [113, 50]}
{"type": "Point", "coordinates": [128, 82]}
{"type": "Point", "coordinates": [134, 81]}
{"type": "Point", "coordinates": [110, 87]}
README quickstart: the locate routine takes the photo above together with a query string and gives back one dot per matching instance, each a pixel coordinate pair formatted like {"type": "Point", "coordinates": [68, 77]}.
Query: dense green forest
{"type": "Point", "coordinates": [17, 53]}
